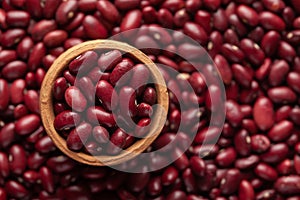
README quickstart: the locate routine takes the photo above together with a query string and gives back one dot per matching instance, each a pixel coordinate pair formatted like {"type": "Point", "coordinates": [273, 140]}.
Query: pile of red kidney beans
{"type": "Point", "coordinates": [255, 46]}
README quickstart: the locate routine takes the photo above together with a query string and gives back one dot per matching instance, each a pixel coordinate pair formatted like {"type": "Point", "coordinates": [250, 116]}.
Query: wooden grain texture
{"type": "Point", "coordinates": [47, 112]}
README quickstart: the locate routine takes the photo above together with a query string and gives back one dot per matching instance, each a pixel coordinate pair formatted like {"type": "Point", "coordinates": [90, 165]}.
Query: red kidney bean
{"type": "Point", "coordinates": [232, 52]}
{"type": "Point", "coordinates": [5, 94]}
{"type": "Point", "coordinates": [233, 113]}
{"type": "Point", "coordinates": [48, 61]}
{"type": "Point", "coordinates": [35, 135]}
{"type": "Point", "coordinates": [14, 70]}
{"type": "Point", "coordinates": [117, 142]}
{"type": "Point", "coordinates": [226, 157]}
{"type": "Point", "coordinates": [108, 11]}
{"type": "Point", "coordinates": [31, 176]}
{"type": "Point", "coordinates": [143, 126]}
{"type": "Point", "coordinates": [223, 68]}
{"type": "Point", "coordinates": [149, 96]}
{"type": "Point", "coordinates": [283, 113]}
{"type": "Point", "coordinates": [16, 189]}
{"type": "Point", "coordinates": [7, 134]}
{"type": "Point", "coordinates": [4, 165]}
{"type": "Point", "coordinates": [288, 185]}
{"type": "Point", "coordinates": [17, 159]}
{"type": "Point", "coordinates": [100, 134]}
{"type": "Point", "coordinates": [108, 60]}
{"type": "Point", "coordinates": [154, 186]}
{"type": "Point", "coordinates": [59, 88]}
{"type": "Point", "coordinates": [92, 148]}
{"type": "Point", "coordinates": [94, 28]}
{"type": "Point", "coordinates": [60, 164]}
{"type": "Point", "coordinates": [76, 22]}
{"type": "Point", "coordinates": [274, 6]}
{"type": "Point", "coordinates": [231, 181]}
{"type": "Point", "coordinates": [86, 86]}
{"type": "Point", "coordinates": [254, 54]}
{"type": "Point", "coordinates": [137, 182]}
{"type": "Point", "coordinates": [66, 120]}
{"type": "Point", "coordinates": [107, 95]}
{"type": "Point", "coordinates": [131, 20]}
{"type": "Point", "coordinates": [271, 21]}
{"type": "Point", "coordinates": [247, 162]}
{"type": "Point", "coordinates": [41, 28]}
{"type": "Point", "coordinates": [292, 80]}
{"type": "Point", "coordinates": [50, 8]}
{"type": "Point", "coordinates": [169, 176]}
{"type": "Point", "coordinates": [242, 74]}
{"type": "Point", "coordinates": [220, 22]}
{"type": "Point", "coordinates": [189, 181]}
{"type": "Point", "coordinates": [295, 165]}
{"type": "Point", "coordinates": [282, 94]}
{"type": "Point", "coordinates": [256, 34]}
{"type": "Point", "coordinates": [263, 70]}
{"type": "Point", "coordinates": [40, 75]}
{"type": "Point", "coordinates": [236, 22]}
{"type": "Point", "coordinates": [231, 37]}
{"type": "Point", "coordinates": [197, 82]}
{"type": "Point", "coordinates": [44, 145]}
{"type": "Point", "coordinates": [276, 153]}
{"type": "Point", "coordinates": [55, 38]}
{"type": "Point", "coordinates": [12, 36]}
{"type": "Point", "coordinates": [181, 17]}
{"type": "Point", "coordinates": [87, 6]}
{"type": "Point", "coordinates": [31, 100]}
{"type": "Point", "coordinates": [278, 72]}
{"type": "Point", "coordinates": [66, 11]}
{"type": "Point", "coordinates": [281, 131]}
{"type": "Point", "coordinates": [78, 136]}
{"type": "Point", "coordinates": [27, 124]}
{"type": "Point", "coordinates": [34, 8]}
{"type": "Point", "coordinates": [127, 104]}
{"type": "Point", "coordinates": [97, 115]}
{"type": "Point", "coordinates": [71, 42]}
{"type": "Point", "coordinates": [181, 160]}
{"type": "Point", "coordinates": [196, 32]}
{"type": "Point", "coordinates": [17, 18]}
{"type": "Point", "coordinates": [144, 110]}
{"type": "Point", "coordinates": [36, 56]}
{"type": "Point", "coordinates": [83, 63]}
{"type": "Point", "coordinates": [6, 56]}
{"type": "Point", "coordinates": [286, 51]}
{"type": "Point", "coordinates": [204, 19]}
{"type": "Point", "coordinates": [246, 191]}
{"type": "Point", "coordinates": [46, 177]}
{"type": "Point", "coordinates": [248, 15]}
{"type": "Point", "coordinates": [266, 172]}
{"type": "Point", "coordinates": [294, 115]}
{"type": "Point", "coordinates": [242, 142]}
{"type": "Point", "coordinates": [263, 113]}
{"type": "Point", "coordinates": [121, 73]}
{"type": "Point", "coordinates": [126, 5]}
{"type": "Point", "coordinates": [75, 99]}
{"type": "Point", "coordinates": [208, 134]}
{"type": "Point", "coordinates": [197, 165]}
{"type": "Point", "coordinates": [260, 143]}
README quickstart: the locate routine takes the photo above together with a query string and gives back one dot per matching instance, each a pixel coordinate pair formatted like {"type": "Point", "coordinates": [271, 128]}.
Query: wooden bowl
{"type": "Point", "coordinates": [47, 111]}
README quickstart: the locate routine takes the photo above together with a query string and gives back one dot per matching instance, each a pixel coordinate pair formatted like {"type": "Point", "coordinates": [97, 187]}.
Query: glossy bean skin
{"type": "Point", "coordinates": [18, 162]}
{"type": "Point", "coordinates": [66, 120]}
{"type": "Point", "coordinates": [4, 92]}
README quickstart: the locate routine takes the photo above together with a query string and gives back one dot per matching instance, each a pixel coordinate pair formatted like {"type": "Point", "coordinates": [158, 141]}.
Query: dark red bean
{"type": "Point", "coordinates": [97, 115]}
{"type": "Point", "coordinates": [86, 86]}
{"type": "Point", "coordinates": [288, 185]}
{"type": "Point", "coordinates": [31, 100]}
{"type": "Point", "coordinates": [4, 165]}
{"type": "Point", "coordinates": [276, 153]}
{"type": "Point", "coordinates": [278, 72]}
{"type": "Point", "coordinates": [47, 179]}
{"type": "Point", "coordinates": [108, 60]}
{"type": "Point", "coordinates": [154, 186]}
{"type": "Point", "coordinates": [16, 189]}
{"type": "Point", "coordinates": [59, 88]}
{"type": "Point", "coordinates": [271, 21]}
{"type": "Point", "coordinates": [17, 159]}
{"type": "Point", "coordinates": [281, 131]}
{"type": "Point", "coordinates": [233, 113]}
{"type": "Point", "coordinates": [108, 11]}
{"type": "Point", "coordinates": [292, 80]}
{"type": "Point", "coordinates": [55, 38]}
{"type": "Point", "coordinates": [223, 68]}
{"type": "Point", "coordinates": [226, 157]}
{"type": "Point", "coordinates": [254, 54]}
{"type": "Point", "coordinates": [286, 51]}
{"type": "Point", "coordinates": [66, 11]}
{"type": "Point", "coordinates": [60, 164]}
{"type": "Point", "coordinates": [41, 28]}
{"type": "Point", "coordinates": [44, 145]}
{"type": "Point", "coordinates": [247, 15]}
{"type": "Point", "coordinates": [196, 32]}
{"type": "Point", "coordinates": [242, 142]}
{"type": "Point", "coordinates": [100, 134]}
{"type": "Point", "coordinates": [131, 20]}
{"type": "Point", "coordinates": [27, 124]}
{"type": "Point", "coordinates": [127, 104]}
{"type": "Point", "coordinates": [231, 181]}
{"type": "Point", "coordinates": [12, 37]}
{"type": "Point", "coordinates": [94, 28]}
{"type": "Point", "coordinates": [137, 182]}
{"type": "Point", "coordinates": [17, 18]}
{"type": "Point", "coordinates": [66, 120]}
{"type": "Point", "coordinates": [31, 176]}
{"type": "Point", "coordinates": [282, 94]}
{"type": "Point", "coordinates": [263, 113]}
{"type": "Point", "coordinates": [7, 56]}
{"type": "Point", "coordinates": [36, 56]}
{"type": "Point", "coordinates": [197, 165]}
{"type": "Point", "coordinates": [83, 63]}
{"type": "Point", "coordinates": [7, 134]}
{"type": "Point", "coordinates": [260, 143]}
{"type": "Point", "coordinates": [121, 73]}
{"type": "Point", "coordinates": [235, 21]}
{"type": "Point", "coordinates": [295, 114]}
{"type": "Point", "coordinates": [169, 176]}
{"type": "Point", "coordinates": [247, 162]}
{"type": "Point", "coordinates": [246, 191]}
{"type": "Point", "coordinates": [5, 94]}
{"type": "Point", "coordinates": [75, 99]}
{"type": "Point", "coordinates": [149, 96]}
{"type": "Point", "coordinates": [266, 172]}
{"type": "Point", "coordinates": [232, 52]}
{"type": "Point", "coordinates": [107, 95]}
{"type": "Point", "coordinates": [78, 136]}
{"type": "Point", "coordinates": [50, 8]}
{"type": "Point", "coordinates": [14, 70]}
{"type": "Point", "coordinates": [117, 142]}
